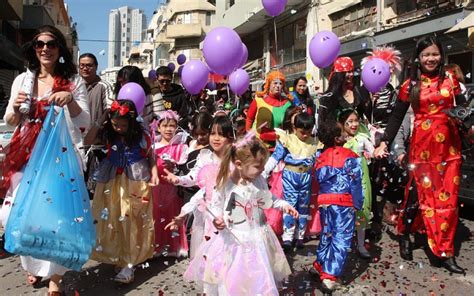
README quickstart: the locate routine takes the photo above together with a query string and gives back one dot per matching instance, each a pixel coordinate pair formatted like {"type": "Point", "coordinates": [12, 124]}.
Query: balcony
{"type": "Point", "coordinates": [177, 31]}
{"type": "Point", "coordinates": [246, 17]}
{"type": "Point", "coordinates": [35, 16]}
{"type": "Point", "coordinates": [11, 10]}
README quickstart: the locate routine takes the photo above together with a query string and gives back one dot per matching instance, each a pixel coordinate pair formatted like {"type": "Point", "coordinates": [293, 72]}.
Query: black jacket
{"type": "Point", "coordinates": [178, 100]}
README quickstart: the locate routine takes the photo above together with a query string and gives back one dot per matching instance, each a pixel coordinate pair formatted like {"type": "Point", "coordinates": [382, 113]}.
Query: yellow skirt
{"type": "Point", "coordinates": [123, 210]}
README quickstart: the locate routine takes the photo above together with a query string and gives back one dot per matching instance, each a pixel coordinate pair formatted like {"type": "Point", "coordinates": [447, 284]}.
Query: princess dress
{"type": "Point", "coordinates": [246, 258]}
{"type": "Point", "coordinates": [123, 206]}
{"type": "Point", "coordinates": [167, 203]}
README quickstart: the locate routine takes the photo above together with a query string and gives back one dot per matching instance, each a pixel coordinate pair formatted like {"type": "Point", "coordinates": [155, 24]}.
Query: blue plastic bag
{"type": "Point", "coordinates": [51, 217]}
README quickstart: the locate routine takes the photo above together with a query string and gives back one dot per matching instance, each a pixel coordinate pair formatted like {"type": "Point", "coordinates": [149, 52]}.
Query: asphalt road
{"type": "Point", "coordinates": [387, 274]}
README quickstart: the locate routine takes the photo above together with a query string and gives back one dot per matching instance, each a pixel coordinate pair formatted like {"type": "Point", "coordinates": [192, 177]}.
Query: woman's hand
{"type": "Point", "coordinates": [170, 177]}
{"type": "Point", "coordinates": [381, 151]}
{"type": "Point", "coordinates": [291, 211]}
{"type": "Point", "coordinates": [21, 98]}
{"type": "Point", "coordinates": [61, 98]}
{"type": "Point", "coordinates": [175, 223]}
{"type": "Point", "coordinates": [219, 223]}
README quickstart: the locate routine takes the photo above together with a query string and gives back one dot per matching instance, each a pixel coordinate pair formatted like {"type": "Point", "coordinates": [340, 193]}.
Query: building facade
{"type": "Point", "coordinates": [126, 28]}
{"type": "Point", "coordinates": [360, 25]}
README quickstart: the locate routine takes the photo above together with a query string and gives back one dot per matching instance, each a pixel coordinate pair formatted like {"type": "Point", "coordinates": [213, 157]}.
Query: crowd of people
{"type": "Point", "coordinates": [236, 183]}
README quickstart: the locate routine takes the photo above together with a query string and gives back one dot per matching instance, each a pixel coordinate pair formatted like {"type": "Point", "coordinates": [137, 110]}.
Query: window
{"type": "Point", "coordinates": [208, 18]}
{"type": "Point", "coordinates": [123, 25]}
{"type": "Point", "coordinates": [187, 18]}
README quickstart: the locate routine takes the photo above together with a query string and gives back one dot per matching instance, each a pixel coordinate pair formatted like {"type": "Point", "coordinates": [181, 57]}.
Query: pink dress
{"type": "Point", "coordinates": [167, 204]}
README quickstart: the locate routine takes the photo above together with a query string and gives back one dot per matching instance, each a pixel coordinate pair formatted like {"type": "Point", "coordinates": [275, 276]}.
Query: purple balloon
{"type": "Point", "coordinates": [274, 7]}
{"type": "Point", "coordinates": [172, 66]}
{"type": "Point", "coordinates": [181, 59]}
{"type": "Point", "coordinates": [375, 74]}
{"type": "Point", "coordinates": [211, 85]}
{"type": "Point", "coordinates": [180, 70]}
{"type": "Point", "coordinates": [152, 75]}
{"type": "Point", "coordinates": [324, 48]}
{"type": "Point", "coordinates": [239, 81]}
{"type": "Point", "coordinates": [244, 56]}
{"type": "Point", "coordinates": [194, 76]}
{"type": "Point", "coordinates": [222, 50]}
{"type": "Point", "coordinates": [134, 92]}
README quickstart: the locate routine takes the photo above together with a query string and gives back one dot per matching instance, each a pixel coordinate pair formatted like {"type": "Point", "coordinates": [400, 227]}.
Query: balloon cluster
{"type": "Point", "coordinates": [225, 54]}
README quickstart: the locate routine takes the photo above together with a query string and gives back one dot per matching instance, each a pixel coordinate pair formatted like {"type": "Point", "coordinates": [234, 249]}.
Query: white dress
{"type": "Point", "coordinates": [77, 126]}
{"type": "Point", "coordinates": [245, 258]}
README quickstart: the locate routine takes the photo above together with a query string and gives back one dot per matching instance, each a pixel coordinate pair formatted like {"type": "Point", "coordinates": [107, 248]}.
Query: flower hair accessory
{"type": "Point", "coordinates": [168, 114]}
{"type": "Point", "coordinates": [249, 136]}
{"type": "Point", "coordinates": [123, 109]}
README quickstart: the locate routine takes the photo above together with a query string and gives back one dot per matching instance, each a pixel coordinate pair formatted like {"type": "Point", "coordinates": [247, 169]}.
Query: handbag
{"type": "Point", "coordinates": [51, 217]}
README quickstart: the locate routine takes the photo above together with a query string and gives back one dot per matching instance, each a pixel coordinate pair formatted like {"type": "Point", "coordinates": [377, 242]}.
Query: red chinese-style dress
{"type": "Point", "coordinates": [435, 161]}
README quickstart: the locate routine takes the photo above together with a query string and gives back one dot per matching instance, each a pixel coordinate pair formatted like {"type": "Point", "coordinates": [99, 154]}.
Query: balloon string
{"type": "Point", "coordinates": [276, 43]}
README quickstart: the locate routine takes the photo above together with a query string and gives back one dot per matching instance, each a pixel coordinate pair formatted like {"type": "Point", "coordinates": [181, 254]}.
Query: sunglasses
{"type": "Point", "coordinates": [162, 81]}
{"type": "Point", "coordinates": [51, 44]}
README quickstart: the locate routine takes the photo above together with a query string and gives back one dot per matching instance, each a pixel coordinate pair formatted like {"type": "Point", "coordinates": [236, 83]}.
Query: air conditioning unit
{"type": "Point", "coordinates": [162, 62]}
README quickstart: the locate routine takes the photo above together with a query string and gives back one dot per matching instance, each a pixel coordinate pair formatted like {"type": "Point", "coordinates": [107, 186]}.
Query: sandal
{"type": "Point", "coordinates": [32, 280]}
{"type": "Point", "coordinates": [125, 276]}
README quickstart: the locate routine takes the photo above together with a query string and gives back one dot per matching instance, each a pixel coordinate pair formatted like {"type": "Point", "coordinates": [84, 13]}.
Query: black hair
{"type": "Point", "coordinates": [202, 120]}
{"type": "Point", "coordinates": [89, 55]}
{"type": "Point", "coordinates": [222, 94]}
{"type": "Point", "coordinates": [336, 84]}
{"type": "Point", "coordinates": [295, 83]}
{"type": "Point", "coordinates": [225, 125]}
{"type": "Point", "coordinates": [287, 125]}
{"type": "Point", "coordinates": [164, 71]}
{"type": "Point", "coordinates": [327, 132]}
{"type": "Point", "coordinates": [64, 68]}
{"type": "Point", "coordinates": [344, 114]}
{"type": "Point", "coordinates": [131, 74]}
{"type": "Point", "coordinates": [415, 73]}
{"type": "Point", "coordinates": [135, 130]}
{"type": "Point", "coordinates": [304, 120]}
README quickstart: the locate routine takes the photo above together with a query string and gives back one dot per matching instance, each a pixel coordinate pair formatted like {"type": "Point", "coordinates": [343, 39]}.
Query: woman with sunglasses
{"type": "Point", "coordinates": [51, 79]}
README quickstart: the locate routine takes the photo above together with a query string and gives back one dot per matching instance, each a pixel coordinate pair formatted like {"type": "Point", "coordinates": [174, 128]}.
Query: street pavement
{"type": "Point", "coordinates": [387, 274]}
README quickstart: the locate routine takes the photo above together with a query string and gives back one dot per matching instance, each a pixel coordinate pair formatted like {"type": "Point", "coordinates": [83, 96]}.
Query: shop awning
{"type": "Point", "coordinates": [467, 22]}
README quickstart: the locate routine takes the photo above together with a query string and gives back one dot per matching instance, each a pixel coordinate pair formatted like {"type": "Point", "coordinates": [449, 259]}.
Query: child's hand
{"type": "Point", "coordinates": [170, 177]}
{"type": "Point", "coordinates": [219, 223]}
{"type": "Point", "coordinates": [154, 179]}
{"type": "Point", "coordinates": [291, 211]}
{"type": "Point", "coordinates": [175, 223]}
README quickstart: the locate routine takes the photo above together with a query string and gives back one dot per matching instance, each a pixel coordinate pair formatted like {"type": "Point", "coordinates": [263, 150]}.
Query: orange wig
{"type": "Point", "coordinates": [270, 77]}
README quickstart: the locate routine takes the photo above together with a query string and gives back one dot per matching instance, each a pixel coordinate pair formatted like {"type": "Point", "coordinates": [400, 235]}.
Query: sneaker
{"type": "Point", "coordinates": [287, 246]}
{"type": "Point", "coordinates": [328, 284]}
{"type": "Point", "coordinates": [363, 253]}
{"type": "Point", "coordinates": [125, 276]}
{"type": "Point", "coordinates": [299, 244]}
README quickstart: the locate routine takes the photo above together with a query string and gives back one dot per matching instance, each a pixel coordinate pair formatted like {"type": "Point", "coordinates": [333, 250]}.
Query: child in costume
{"type": "Point", "coordinates": [122, 204]}
{"type": "Point", "coordinates": [298, 151]}
{"type": "Point", "coordinates": [221, 137]}
{"type": "Point", "coordinates": [338, 172]}
{"type": "Point", "coordinates": [245, 257]}
{"type": "Point", "coordinates": [360, 143]}
{"type": "Point", "coordinates": [170, 150]}
{"type": "Point", "coordinates": [201, 128]}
